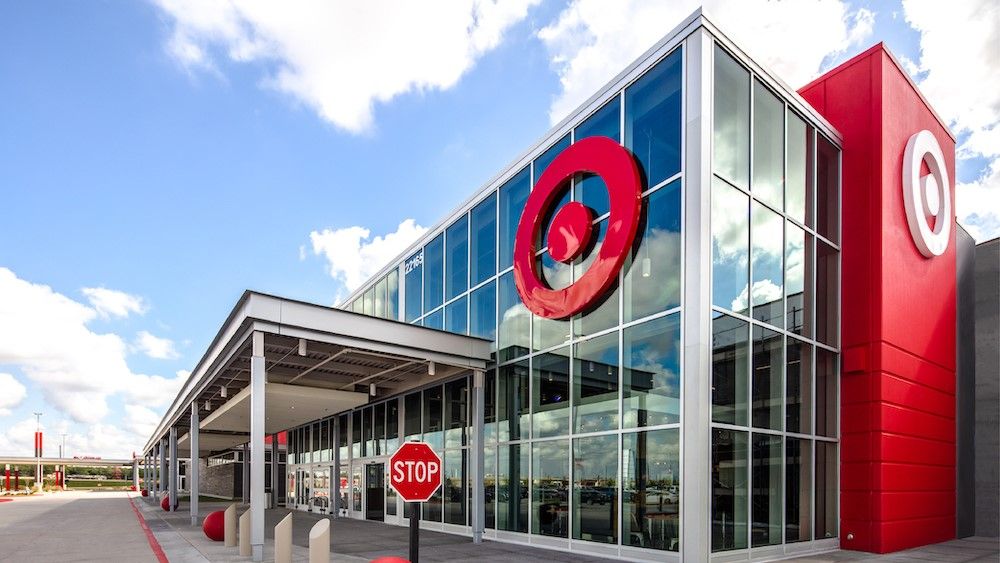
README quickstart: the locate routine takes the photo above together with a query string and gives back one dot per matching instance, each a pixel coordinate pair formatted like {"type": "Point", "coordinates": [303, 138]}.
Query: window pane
{"type": "Point", "coordinates": [651, 489]}
{"type": "Point", "coordinates": [595, 384]}
{"type": "Point", "coordinates": [766, 462]}
{"type": "Point", "coordinates": [767, 252]}
{"type": "Point", "coordinates": [730, 247]}
{"type": "Point", "coordinates": [798, 490]}
{"type": "Point", "coordinates": [590, 189]}
{"type": "Point", "coordinates": [798, 392]}
{"type": "Point", "coordinates": [768, 145]}
{"type": "Point", "coordinates": [457, 267]}
{"type": "Point", "coordinates": [378, 415]}
{"type": "Point", "coordinates": [411, 424]}
{"type": "Point", "coordinates": [356, 434]}
{"type": "Point", "coordinates": [490, 406]}
{"type": "Point", "coordinates": [798, 279]}
{"type": "Point", "coordinates": [651, 376]}
{"type": "Point", "coordinates": [367, 432]}
{"type": "Point", "coordinates": [549, 495]}
{"type": "Point", "coordinates": [595, 489]}
{"type": "Point", "coordinates": [549, 332]}
{"type": "Point", "coordinates": [433, 417]}
{"type": "Point", "coordinates": [413, 278]}
{"type": "Point", "coordinates": [798, 162]}
{"type": "Point", "coordinates": [484, 240]}
{"type": "Point", "coordinates": [827, 189]}
{"type": "Point", "coordinates": [653, 119]}
{"type": "Point", "coordinates": [729, 489]}
{"type": "Point", "coordinates": [435, 320]}
{"type": "Point", "coordinates": [767, 385]}
{"type": "Point", "coordinates": [513, 412]}
{"type": "Point", "coordinates": [359, 305]}
{"type": "Point", "coordinates": [827, 293]}
{"type": "Point", "coordinates": [730, 379]}
{"type": "Point", "coordinates": [826, 490]}
{"type": "Point", "coordinates": [431, 510]}
{"type": "Point", "coordinates": [483, 312]}
{"type": "Point", "coordinates": [370, 301]}
{"type": "Point", "coordinates": [827, 402]}
{"type": "Point", "coordinates": [513, 195]}
{"type": "Point", "coordinates": [343, 436]}
{"type": "Point", "coordinates": [392, 425]}
{"type": "Point", "coordinates": [454, 486]}
{"type": "Point", "coordinates": [731, 138]}
{"type": "Point", "coordinates": [392, 296]}
{"type": "Point", "coordinates": [380, 298]}
{"type": "Point", "coordinates": [514, 321]}
{"type": "Point", "coordinates": [433, 273]}
{"type": "Point", "coordinates": [512, 488]}
{"type": "Point", "coordinates": [653, 271]}
{"type": "Point", "coordinates": [490, 486]}
{"type": "Point", "coordinates": [550, 394]}
{"type": "Point", "coordinates": [456, 316]}
{"type": "Point", "coordinates": [456, 412]}
{"type": "Point", "coordinates": [605, 314]}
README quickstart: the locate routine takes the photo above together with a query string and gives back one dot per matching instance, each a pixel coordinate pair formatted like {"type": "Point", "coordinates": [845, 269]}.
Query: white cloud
{"type": "Point", "coordinates": [764, 291]}
{"type": "Point", "coordinates": [13, 393]}
{"type": "Point", "coordinates": [354, 257]}
{"type": "Point", "coordinates": [960, 56]}
{"type": "Point", "coordinates": [155, 347]}
{"type": "Point", "coordinates": [114, 303]}
{"type": "Point", "coordinates": [154, 390]}
{"type": "Point", "coordinates": [589, 43]}
{"type": "Point", "coordinates": [341, 58]}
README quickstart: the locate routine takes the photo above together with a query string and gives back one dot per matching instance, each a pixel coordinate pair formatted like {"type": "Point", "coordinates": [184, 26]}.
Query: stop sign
{"type": "Point", "coordinates": [415, 471]}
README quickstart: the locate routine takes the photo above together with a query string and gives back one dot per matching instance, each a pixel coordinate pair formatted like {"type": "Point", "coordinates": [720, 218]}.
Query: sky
{"type": "Point", "coordinates": [158, 158]}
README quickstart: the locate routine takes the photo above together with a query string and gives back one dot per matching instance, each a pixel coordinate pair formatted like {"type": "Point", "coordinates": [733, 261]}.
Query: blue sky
{"type": "Point", "coordinates": [175, 154]}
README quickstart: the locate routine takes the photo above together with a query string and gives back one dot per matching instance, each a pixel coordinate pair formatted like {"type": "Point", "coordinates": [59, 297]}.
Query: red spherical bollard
{"type": "Point", "coordinates": [214, 526]}
{"type": "Point", "coordinates": [165, 503]}
{"type": "Point", "coordinates": [390, 559]}
{"type": "Point", "coordinates": [145, 492]}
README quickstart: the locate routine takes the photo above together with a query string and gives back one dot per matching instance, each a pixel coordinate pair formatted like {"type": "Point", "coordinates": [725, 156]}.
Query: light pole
{"type": "Point", "coordinates": [62, 448]}
{"type": "Point", "coordinates": [38, 450]}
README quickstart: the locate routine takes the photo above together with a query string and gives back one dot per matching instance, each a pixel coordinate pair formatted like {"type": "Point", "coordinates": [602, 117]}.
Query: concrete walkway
{"type": "Point", "coordinates": [978, 550]}
{"type": "Point", "coordinates": [72, 526]}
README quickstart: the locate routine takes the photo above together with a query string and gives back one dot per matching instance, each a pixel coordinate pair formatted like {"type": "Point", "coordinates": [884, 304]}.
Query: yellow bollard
{"type": "Point", "coordinates": [283, 540]}
{"type": "Point", "coordinates": [229, 521]}
{"type": "Point", "coordinates": [319, 542]}
{"type": "Point", "coordinates": [245, 549]}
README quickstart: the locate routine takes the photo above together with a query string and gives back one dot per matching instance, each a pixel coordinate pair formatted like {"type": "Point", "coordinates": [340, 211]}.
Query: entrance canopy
{"type": "Point", "coordinates": [318, 361]}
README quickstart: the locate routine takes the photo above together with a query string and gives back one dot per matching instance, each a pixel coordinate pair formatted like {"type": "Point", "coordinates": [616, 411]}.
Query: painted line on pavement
{"type": "Point", "coordinates": [153, 544]}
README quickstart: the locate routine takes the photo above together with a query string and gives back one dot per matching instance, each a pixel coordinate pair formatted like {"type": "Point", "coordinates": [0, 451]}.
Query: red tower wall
{"type": "Point", "coordinates": [898, 318]}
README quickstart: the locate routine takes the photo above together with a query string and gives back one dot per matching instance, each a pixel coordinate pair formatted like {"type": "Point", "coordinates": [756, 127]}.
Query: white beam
{"type": "Point", "coordinates": [195, 464]}
{"type": "Point", "coordinates": [174, 473]}
{"type": "Point", "coordinates": [258, 380]}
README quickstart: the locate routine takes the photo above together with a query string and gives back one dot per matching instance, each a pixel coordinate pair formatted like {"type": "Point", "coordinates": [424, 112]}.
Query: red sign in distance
{"type": "Point", "coordinates": [415, 471]}
{"type": "Point", "coordinates": [572, 230]}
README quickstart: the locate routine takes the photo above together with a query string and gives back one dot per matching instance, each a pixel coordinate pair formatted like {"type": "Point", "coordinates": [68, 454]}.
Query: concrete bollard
{"type": "Point", "coordinates": [283, 540]}
{"type": "Point", "coordinates": [245, 549]}
{"type": "Point", "coordinates": [319, 542]}
{"type": "Point", "coordinates": [230, 526]}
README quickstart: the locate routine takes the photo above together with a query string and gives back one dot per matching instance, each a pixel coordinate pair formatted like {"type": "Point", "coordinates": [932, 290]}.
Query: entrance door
{"type": "Point", "coordinates": [375, 491]}
{"type": "Point", "coordinates": [303, 490]}
{"type": "Point", "coordinates": [321, 490]}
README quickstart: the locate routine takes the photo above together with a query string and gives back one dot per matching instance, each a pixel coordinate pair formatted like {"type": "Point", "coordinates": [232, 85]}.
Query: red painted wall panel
{"type": "Point", "coordinates": [897, 318]}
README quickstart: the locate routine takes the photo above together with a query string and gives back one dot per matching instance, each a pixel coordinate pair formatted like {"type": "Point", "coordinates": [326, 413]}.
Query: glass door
{"type": "Point", "coordinates": [356, 491]}
{"type": "Point", "coordinates": [375, 491]}
{"type": "Point", "coordinates": [303, 492]}
{"type": "Point", "coordinates": [321, 490]}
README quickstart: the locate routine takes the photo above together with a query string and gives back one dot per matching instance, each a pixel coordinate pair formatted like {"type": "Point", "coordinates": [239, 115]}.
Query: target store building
{"type": "Point", "coordinates": [705, 317]}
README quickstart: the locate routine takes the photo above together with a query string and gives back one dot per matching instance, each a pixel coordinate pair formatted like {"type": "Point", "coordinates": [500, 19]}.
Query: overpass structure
{"type": "Point", "coordinates": [64, 461]}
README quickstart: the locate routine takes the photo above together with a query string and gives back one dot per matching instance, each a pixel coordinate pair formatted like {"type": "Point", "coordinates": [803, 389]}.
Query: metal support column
{"type": "Point", "coordinates": [135, 473]}
{"type": "Point", "coordinates": [274, 472]}
{"type": "Point", "coordinates": [258, 379]}
{"type": "Point", "coordinates": [477, 458]}
{"type": "Point", "coordinates": [161, 486]}
{"type": "Point", "coordinates": [173, 468]}
{"type": "Point", "coordinates": [335, 473]}
{"type": "Point", "coordinates": [194, 466]}
{"type": "Point", "coordinates": [246, 473]}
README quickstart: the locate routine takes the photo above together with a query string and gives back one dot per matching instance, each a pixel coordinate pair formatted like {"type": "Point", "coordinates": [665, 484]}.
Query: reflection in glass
{"type": "Point", "coordinates": [368, 436]}
{"type": "Point", "coordinates": [391, 425]}
{"type": "Point", "coordinates": [490, 487]}
{"type": "Point", "coordinates": [730, 380]}
{"type": "Point", "coordinates": [767, 385]}
{"type": "Point", "coordinates": [550, 332]}
{"type": "Point", "coordinates": [765, 471]}
{"type": "Point", "coordinates": [343, 437]}
{"type": "Point", "coordinates": [369, 300]}
{"type": "Point", "coordinates": [355, 434]}
{"type": "Point", "coordinates": [768, 145]}
{"type": "Point", "coordinates": [798, 279]}
{"type": "Point", "coordinates": [653, 271]}
{"type": "Point", "coordinates": [484, 240]}
{"type": "Point", "coordinates": [453, 486]}
{"type": "Point", "coordinates": [435, 320]}
{"type": "Point", "coordinates": [605, 314]}
{"type": "Point", "coordinates": [513, 194]}
{"type": "Point", "coordinates": [595, 489]}
{"type": "Point", "coordinates": [549, 488]}
{"type": "Point", "coordinates": [456, 412]}
{"type": "Point", "coordinates": [380, 298]}
{"type": "Point", "coordinates": [413, 278]}
{"type": "Point", "coordinates": [378, 422]}
{"type": "Point", "coordinates": [411, 422]}
{"type": "Point", "coordinates": [798, 174]}
{"type": "Point", "coordinates": [651, 489]}
{"type": "Point", "coordinates": [827, 402]}
{"type": "Point", "coordinates": [826, 490]}
{"type": "Point", "coordinates": [590, 189]}
{"type": "Point", "coordinates": [730, 247]}
{"type": "Point", "coordinates": [359, 305]}
{"type": "Point", "coordinates": [827, 189]}
{"type": "Point", "coordinates": [433, 417]}
{"type": "Point", "coordinates": [798, 392]}
{"type": "Point", "coordinates": [490, 406]}
{"type": "Point", "coordinates": [392, 295]}
{"type": "Point", "coordinates": [514, 320]}
{"type": "Point", "coordinates": [456, 316]}
{"type": "Point", "coordinates": [729, 489]}
{"type": "Point", "coordinates": [550, 394]}
{"type": "Point", "coordinates": [653, 119]}
{"type": "Point", "coordinates": [538, 168]}
{"type": "Point", "coordinates": [513, 414]}
{"type": "Point", "coordinates": [798, 490]}
{"type": "Point", "coordinates": [651, 386]}
{"type": "Point", "coordinates": [512, 488]}
{"type": "Point", "coordinates": [827, 293]}
{"type": "Point", "coordinates": [483, 312]}
{"type": "Point", "coordinates": [457, 254]}
{"type": "Point", "coordinates": [767, 252]}
{"type": "Point", "coordinates": [595, 384]}
{"type": "Point", "coordinates": [731, 138]}
{"type": "Point", "coordinates": [433, 273]}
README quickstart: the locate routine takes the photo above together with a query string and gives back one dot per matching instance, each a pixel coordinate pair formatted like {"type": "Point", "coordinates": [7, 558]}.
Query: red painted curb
{"type": "Point", "coordinates": [153, 544]}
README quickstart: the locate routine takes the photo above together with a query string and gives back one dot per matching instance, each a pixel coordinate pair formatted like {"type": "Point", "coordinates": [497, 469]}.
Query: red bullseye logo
{"type": "Point", "coordinates": [572, 228]}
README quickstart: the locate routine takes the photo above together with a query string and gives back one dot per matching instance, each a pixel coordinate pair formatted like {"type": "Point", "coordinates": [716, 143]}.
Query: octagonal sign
{"type": "Point", "coordinates": [415, 471]}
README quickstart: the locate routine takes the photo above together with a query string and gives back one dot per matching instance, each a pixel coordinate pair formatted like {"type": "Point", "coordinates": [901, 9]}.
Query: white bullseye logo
{"type": "Point", "coordinates": [927, 197]}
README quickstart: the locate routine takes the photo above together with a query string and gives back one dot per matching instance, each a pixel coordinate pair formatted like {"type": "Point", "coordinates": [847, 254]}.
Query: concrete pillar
{"type": "Point", "coordinates": [229, 526]}
{"type": "Point", "coordinates": [246, 474]}
{"type": "Point", "coordinates": [258, 379]}
{"type": "Point", "coordinates": [274, 471]}
{"type": "Point", "coordinates": [193, 477]}
{"type": "Point", "coordinates": [283, 540]}
{"type": "Point", "coordinates": [477, 457]}
{"type": "Point", "coordinates": [173, 469]}
{"type": "Point", "coordinates": [319, 542]}
{"type": "Point", "coordinates": [335, 477]}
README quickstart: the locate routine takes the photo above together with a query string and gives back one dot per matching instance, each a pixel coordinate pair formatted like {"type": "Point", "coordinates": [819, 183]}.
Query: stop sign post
{"type": "Point", "coordinates": [415, 474]}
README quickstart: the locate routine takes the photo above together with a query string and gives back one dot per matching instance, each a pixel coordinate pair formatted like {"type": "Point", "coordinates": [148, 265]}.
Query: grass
{"type": "Point", "coordinates": [97, 484]}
